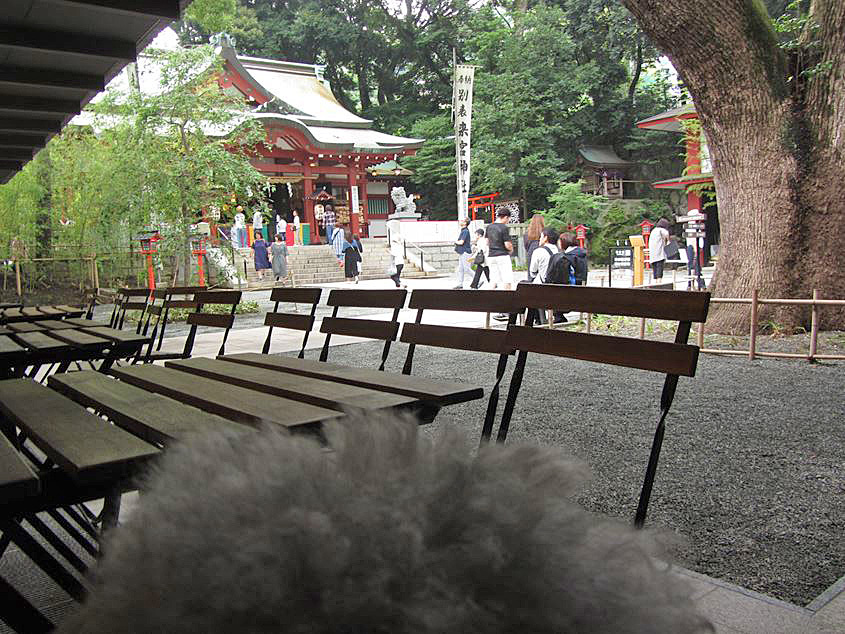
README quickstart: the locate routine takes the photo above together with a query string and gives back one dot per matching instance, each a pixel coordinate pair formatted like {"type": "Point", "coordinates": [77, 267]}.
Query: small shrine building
{"type": "Point", "coordinates": [317, 147]}
{"type": "Point", "coordinates": [603, 172]}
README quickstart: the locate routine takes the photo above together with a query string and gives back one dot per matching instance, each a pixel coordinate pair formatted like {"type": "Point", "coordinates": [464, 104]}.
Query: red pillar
{"type": "Point", "coordinates": [308, 205]}
{"type": "Point", "coordinates": [362, 198]}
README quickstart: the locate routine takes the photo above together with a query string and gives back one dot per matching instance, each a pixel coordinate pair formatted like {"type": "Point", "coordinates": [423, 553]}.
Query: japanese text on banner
{"type": "Point", "coordinates": [462, 103]}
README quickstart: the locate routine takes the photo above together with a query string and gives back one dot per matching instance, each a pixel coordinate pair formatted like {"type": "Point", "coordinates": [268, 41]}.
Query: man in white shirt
{"type": "Point", "coordinates": [282, 227]}
{"type": "Point", "coordinates": [239, 228]}
{"type": "Point", "coordinates": [542, 254]}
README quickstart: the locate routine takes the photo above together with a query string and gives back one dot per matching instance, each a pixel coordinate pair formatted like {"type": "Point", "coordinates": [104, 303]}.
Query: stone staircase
{"type": "Point", "coordinates": [316, 264]}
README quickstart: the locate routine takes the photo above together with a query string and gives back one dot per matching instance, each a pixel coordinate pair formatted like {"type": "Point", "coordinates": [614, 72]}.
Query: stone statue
{"type": "Point", "coordinates": [405, 205]}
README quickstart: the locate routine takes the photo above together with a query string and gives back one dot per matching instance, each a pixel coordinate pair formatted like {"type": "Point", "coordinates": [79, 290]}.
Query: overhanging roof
{"type": "Point", "coordinates": [56, 55]}
{"type": "Point", "coordinates": [602, 156]}
{"type": "Point", "coordinates": [669, 121]}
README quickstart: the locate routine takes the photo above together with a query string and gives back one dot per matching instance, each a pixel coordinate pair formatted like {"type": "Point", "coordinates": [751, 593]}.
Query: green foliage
{"type": "Point", "coordinates": [21, 205]}
{"type": "Point", "coordinates": [570, 206]}
{"type": "Point", "coordinates": [434, 167]}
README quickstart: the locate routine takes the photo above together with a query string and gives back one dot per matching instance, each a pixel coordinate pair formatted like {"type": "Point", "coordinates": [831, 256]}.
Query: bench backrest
{"type": "Point", "coordinates": [293, 321]}
{"type": "Point", "coordinates": [200, 318]}
{"type": "Point", "coordinates": [368, 328]}
{"type": "Point", "coordinates": [130, 299]}
{"type": "Point", "coordinates": [162, 300]}
{"type": "Point", "coordinates": [475, 339]}
{"type": "Point", "coordinates": [674, 359]}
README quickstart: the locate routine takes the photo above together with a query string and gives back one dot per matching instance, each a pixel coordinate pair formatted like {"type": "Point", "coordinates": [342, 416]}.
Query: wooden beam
{"type": "Point", "coordinates": [9, 124]}
{"type": "Point", "coordinates": [157, 8]}
{"type": "Point", "coordinates": [12, 103]}
{"type": "Point", "coordinates": [13, 166]}
{"type": "Point", "coordinates": [15, 154]}
{"type": "Point", "coordinates": [50, 78]}
{"type": "Point", "coordinates": [23, 140]}
{"type": "Point", "coordinates": [60, 42]}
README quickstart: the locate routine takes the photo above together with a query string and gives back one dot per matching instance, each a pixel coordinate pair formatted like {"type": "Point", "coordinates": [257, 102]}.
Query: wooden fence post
{"type": "Point", "coordinates": [752, 348]}
{"type": "Point", "coordinates": [814, 326]}
{"type": "Point", "coordinates": [589, 322]}
{"type": "Point", "coordinates": [18, 277]}
{"type": "Point", "coordinates": [96, 273]}
{"type": "Point", "coordinates": [700, 335]}
{"type": "Point", "coordinates": [642, 327]}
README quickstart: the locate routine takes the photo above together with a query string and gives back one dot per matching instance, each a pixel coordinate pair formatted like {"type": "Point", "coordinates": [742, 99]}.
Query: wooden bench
{"type": "Point", "coordinates": [494, 341]}
{"type": "Point", "coordinates": [167, 299]}
{"type": "Point", "coordinates": [674, 359]}
{"type": "Point", "coordinates": [367, 328]}
{"type": "Point", "coordinates": [199, 318]}
{"type": "Point", "coordinates": [128, 299]}
{"type": "Point", "coordinates": [292, 321]}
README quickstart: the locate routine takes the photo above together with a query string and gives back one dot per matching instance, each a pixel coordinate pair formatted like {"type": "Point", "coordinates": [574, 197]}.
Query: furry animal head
{"type": "Point", "coordinates": [389, 532]}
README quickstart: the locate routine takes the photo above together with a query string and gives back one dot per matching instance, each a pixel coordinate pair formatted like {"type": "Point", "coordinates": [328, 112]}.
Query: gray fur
{"type": "Point", "coordinates": [391, 532]}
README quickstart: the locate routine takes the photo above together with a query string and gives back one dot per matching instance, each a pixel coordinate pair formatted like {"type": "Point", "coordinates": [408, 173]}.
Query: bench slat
{"type": "Point", "coordinates": [9, 346]}
{"type": "Point", "coordinates": [134, 305]}
{"type": "Point", "coordinates": [40, 341]}
{"type": "Point", "coordinates": [120, 336]}
{"type": "Point", "coordinates": [135, 292]}
{"type": "Point", "coordinates": [394, 298]}
{"type": "Point", "coordinates": [206, 319]}
{"type": "Point", "coordinates": [428, 390]}
{"type": "Point", "coordinates": [315, 391]}
{"type": "Point", "coordinates": [55, 324]}
{"type": "Point", "coordinates": [289, 320]}
{"type": "Point", "coordinates": [476, 301]}
{"type": "Point", "coordinates": [296, 295]}
{"type": "Point", "coordinates": [70, 311]}
{"type": "Point", "coordinates": [657, 356]}
{"type": "Point", "coordinates": [181, 303]}
{"type": "Point", "coordinates": [83, 445]}
{"type": "Point", "coordinates": [79, 338]}
{"type": "Point", "coordinates": [84, 323]}
{"type": "Point", "coordinates": [218, 297]}
{"type": "Point", "coordinates": [17, 480]}
{"type": "Point", "coordinates": [230, 401]}
{"type": "Point", "coordinates": [26, 326]}
{"type": "Point", "coordinates": [369, 328]}
{"type": "Point", "coordinates": [153, 417]}
{"type": "Point", "coordinates": [475, 339]}
{"type": "Point", "coordinates": [51, 310]}
{"type": "Point", "coordinates": [669, 305]}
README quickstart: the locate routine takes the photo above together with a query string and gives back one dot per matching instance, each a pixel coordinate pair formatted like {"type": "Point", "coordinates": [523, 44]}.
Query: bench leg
{"type": "Point", "coordinates": [513, 392]}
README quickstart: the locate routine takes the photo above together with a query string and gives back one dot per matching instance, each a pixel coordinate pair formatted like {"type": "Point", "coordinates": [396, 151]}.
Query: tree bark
{"type": "Point", "coordinates": [776, 148]}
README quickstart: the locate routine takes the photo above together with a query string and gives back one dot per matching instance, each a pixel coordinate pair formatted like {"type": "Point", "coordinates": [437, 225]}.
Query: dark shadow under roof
{"type": "Point", "coordinates": [56, 55]}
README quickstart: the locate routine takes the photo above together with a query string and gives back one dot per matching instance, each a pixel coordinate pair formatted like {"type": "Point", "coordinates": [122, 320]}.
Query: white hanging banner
{"type": "Point", "coordinates": [462, 108]}
{"type": "Point", "coordinates": [354, 195]}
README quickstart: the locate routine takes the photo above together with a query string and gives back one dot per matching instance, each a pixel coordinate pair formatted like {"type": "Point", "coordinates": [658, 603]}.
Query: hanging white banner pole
{"type": "Point", "coordinates": [462, 110]}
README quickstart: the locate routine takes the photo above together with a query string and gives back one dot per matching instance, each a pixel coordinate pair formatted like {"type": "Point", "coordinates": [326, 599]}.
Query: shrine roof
{"type": "Point", "coordinates": [298, 96]}
{"type": "Point", "coordinates": [601, 156]}
{"type": "Point", "coordinates": [670, 120]}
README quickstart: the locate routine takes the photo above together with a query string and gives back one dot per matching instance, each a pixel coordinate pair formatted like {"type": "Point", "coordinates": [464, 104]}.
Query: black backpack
{"type": "Point", "coordinates": [578, 260]}
{"type": "Point", "coordinates": [558, 269]}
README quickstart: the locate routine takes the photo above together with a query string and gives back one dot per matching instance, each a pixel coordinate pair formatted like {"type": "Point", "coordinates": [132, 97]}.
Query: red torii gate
{"type": "Point", "coordinates": [482, 204]}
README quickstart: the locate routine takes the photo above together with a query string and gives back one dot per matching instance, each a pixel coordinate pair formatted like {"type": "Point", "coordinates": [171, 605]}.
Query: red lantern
{"type": "Point", "coordinates": [198, 249]}
{"type": "Point", "coordinates": [646, 227]}
{"type": "Point", "coordinates": [581, 235]}
{"type": "Point", "coordinates": [149, 246]}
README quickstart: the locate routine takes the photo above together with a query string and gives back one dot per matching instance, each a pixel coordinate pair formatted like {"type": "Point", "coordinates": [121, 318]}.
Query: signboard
{"type": "Point", "coordinates": [621, 258]}
{"type": "Point", "coordinates": [354, 194]}
{"type": "Point", "coordinates": [462, 109]}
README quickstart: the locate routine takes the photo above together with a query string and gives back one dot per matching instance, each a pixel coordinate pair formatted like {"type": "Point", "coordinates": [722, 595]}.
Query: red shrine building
{"type": "Point", "coordinates": [697, 179]}
{"type": "Point", "coordinates": [320, 153]}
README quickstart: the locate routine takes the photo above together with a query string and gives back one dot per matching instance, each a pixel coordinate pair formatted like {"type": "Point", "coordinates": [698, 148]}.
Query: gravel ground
{"type": "Point", "coordinates": [750, 475]}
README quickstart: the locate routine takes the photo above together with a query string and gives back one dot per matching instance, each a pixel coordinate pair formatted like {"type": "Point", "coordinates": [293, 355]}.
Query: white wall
{"type": "Point", "coordinates": [425, 231]}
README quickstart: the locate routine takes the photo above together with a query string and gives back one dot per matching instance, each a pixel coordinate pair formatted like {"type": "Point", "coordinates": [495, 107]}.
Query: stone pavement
{"type": "Point", "coordinates": [732, 609]}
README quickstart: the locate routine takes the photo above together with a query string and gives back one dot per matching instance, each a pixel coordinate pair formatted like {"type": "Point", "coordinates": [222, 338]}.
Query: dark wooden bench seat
{"type": "Point", "coordinates": [153, 417]}
{"type": "Point", "coordinates": [315, 391]}
{"type": "Point", "coordinates": [230, 401]}
{"type": "Point", "coordinates": [53, 324]}
{"type": "Point", "coordinates": [27, 326]}
{"type": "Point", "coordinates": [17, 479]}
{"type": "Point", "coordinates": [85, 447]}
{"type": "Point", "coordinates": [81, 322]}
{"type": "Point", "coordinates": [430, 391]}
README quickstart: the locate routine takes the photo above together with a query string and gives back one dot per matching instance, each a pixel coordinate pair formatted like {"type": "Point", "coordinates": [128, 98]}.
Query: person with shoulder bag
{"type": "Point", "coordinates": [478, 257]}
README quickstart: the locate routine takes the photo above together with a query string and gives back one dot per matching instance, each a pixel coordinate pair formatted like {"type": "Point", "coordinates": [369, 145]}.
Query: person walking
{"type": "Point", "coordinates": [261, 255]}
{"type": "Point", "coordinates": [297, 225]}
{"type": "Point", "coordinates": [258, 223]}
{"type": "Point", "coordinates": [480, 248]}
{"type": "Point", "coordinates": [329, 219]}
{"type": "Point", "coordinates": [278, 256]}
{"type": "Point", "coordinates": [397, 252]}
{"type": "Point", "coordinates": [337, 240]}
{"type": "Point", "coordinates": [657, 242]}
{"type": "Point", "coordinates": [500, 247]}
{"type": "Point", "coordinates": [239, 228]}
{"type": "Point", "coordinates": [351, 257]}
{"type": "Point", "coordinates": [282, 227]}
{"type": "Point", "coordinates": [356, 240]}
{"type": "Point", "coordinates": [463, 248]}
{"type": "Point", "coordinates": [531, 239]}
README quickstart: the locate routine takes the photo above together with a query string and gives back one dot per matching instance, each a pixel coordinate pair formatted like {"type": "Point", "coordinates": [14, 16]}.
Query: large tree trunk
{"type": "Point", "coordinates": [776, 148]}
